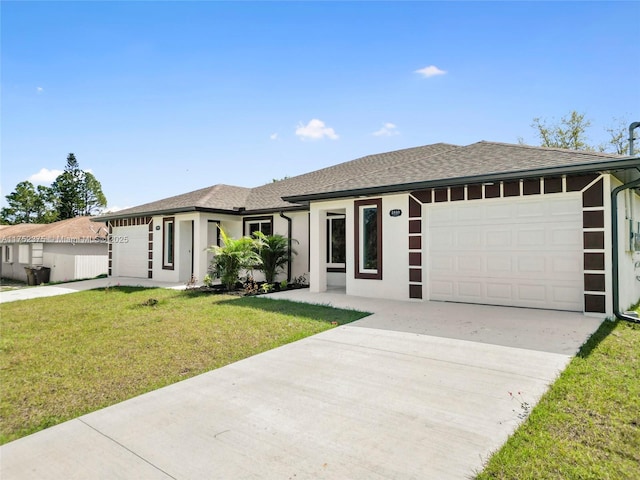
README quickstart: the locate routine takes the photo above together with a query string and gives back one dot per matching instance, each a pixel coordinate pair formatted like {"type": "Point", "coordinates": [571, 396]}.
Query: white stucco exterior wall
{"type": "Point", "coordinates": [395, 252]}
{"type": "Point", "coordinates": [67, 261]}
{"type": "Point", "coordinates": [182, 263]}
{"type": "Point", "coordinates": [628, 260]}
{"type": "Point", "coordinates": [204, 237]}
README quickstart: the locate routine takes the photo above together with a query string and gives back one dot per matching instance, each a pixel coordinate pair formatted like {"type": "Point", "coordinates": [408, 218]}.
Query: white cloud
{"type": "Point", "coordinates": [315, 130]}
{"type": "Point", "coordinates": [387, 130]}
{"type": "Point", "coordinates": [430, 71]}
{"type": "Point", "coordinates": [44, 176]}
{"type": "Point", "coordinates": [39, 90]}
{"type": "Point", "coordinates": [273, 136]}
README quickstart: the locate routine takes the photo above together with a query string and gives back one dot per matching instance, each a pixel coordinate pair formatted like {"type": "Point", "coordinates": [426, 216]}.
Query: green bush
{"type": "Point", "coordinates": [274, 252]}
{"type": "Point", "coordinates": [232, 257]}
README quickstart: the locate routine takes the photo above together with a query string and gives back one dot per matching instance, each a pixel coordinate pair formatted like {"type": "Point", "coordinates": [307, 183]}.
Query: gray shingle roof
{"type": "Point", "coordinates": [478, 159]}
{"type": "Point", "coordinates": [407, 167]}
{"type": "Point", "coordinates": [270, 195]}
{"type": "Point", "coordinates": [216, 198]}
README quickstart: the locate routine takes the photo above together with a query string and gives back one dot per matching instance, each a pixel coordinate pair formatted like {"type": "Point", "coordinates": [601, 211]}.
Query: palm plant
{"type": "Point", "coordinates": [235, 255]}
{"type": "Point", "coordinates": [274, 252]}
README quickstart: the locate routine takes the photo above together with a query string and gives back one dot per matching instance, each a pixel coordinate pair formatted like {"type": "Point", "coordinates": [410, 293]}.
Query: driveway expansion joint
{"type": "Point", "coordinates": [127, 449]}
{"type": "Point", "coordinates": [439, 360]}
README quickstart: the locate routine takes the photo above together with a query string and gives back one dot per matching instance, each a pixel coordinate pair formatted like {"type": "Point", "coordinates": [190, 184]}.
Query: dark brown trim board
{"type": "Point", "coordinates": [358, 206]}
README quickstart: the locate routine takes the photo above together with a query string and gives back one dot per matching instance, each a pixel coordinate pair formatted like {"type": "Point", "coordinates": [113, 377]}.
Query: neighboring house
{"type": "Point", "coordinates": [75, 248]}
{"type": "Point", "coordinates": [488, 223]}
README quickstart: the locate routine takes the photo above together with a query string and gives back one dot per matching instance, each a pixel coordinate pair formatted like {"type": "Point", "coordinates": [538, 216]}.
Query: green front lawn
{"type": "Point", "coordinates": [587, 426]}
{"type": "Point", "coordinates": [61, 357]}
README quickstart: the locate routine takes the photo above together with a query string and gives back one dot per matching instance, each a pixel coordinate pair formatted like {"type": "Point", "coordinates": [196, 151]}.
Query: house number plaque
{"type": "Point", "coordinates": [396, 212]}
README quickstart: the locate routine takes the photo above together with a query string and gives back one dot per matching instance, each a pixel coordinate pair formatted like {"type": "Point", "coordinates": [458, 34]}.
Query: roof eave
{"type": "Point", "coordinates": [172, 211]}
{"type": "Point", "coordinates": [622, 164]}
{"type": "Point", "coordinates": [165, 211]}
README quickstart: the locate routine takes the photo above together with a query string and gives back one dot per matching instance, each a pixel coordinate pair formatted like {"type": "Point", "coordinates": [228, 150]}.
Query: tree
{"type": "Point", "coordinates": [618, 138]}
{"type": "Point", "coordinates": [91, 196]}
{"type": "Point", "coordinates": [29, 205]}
{"type": "Point", "coordinates": [571, 133]}
{"type": "Point", "coordinates": [21, 204]}
{"type": "Point", "coordinates": [67, 189]}
{"type": "Point", "coordinates": [77, 192]}
{"type": "Point", "coordinates": [274, 251]}
{"type": "Point", "coordinates": [45, 205]}
{"type": "Point", "coordinates": [274, 180]}
{"type": "Point", "coordinates": [233, 256]}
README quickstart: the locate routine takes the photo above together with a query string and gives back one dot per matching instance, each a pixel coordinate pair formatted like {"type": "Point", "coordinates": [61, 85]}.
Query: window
{"type": "Point", "coordinates": [336, 248]}
{"type": "Point", "coordinates": [7, 256]}
{"type": "Point", "coordinates": [368, 239]}
{"type": "Point", "coordinates": [168, 242]}
{"type": "Point", "coordinates": [258, 224]}
{"type": "Point", "coordinates": [213, 233]}
{"type": "Point", "coordinates": [24, 251]}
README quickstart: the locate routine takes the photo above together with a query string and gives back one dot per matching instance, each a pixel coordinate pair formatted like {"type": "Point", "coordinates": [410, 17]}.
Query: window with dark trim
{"type": "Point", "coordinates": [216, 225]}
{"type": "Point", "coordinates": [258, 224]}
{"type": "Point", "coordinates": [8, 254]}
{"type": "Point", "coordinates": [168, 242]}
{"type": "Point", "coordinates": [336, 243]}
{"type": "Point", "coordinates": [368, 239]}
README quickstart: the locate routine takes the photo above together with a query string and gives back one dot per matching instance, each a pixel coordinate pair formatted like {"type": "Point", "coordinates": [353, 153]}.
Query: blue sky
{"type": "Point", "coordinates": [161, 98]}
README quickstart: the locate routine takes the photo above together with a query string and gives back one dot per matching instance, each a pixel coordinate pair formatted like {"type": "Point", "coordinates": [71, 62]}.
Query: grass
{"type": "Point", "coordinates": [587, 426]}
{"type": "Point", "coordinates": [62, 357]}
{"type": "Point", "coordinates": [10, 284]}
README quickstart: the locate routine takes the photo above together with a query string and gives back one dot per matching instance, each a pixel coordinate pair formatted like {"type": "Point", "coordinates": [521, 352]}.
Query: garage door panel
{"type": "Point", "coordinates": [468, 238]}
{"type": "Point", "coordinates": [499, 238]}
{"type": "Point", "coordinates": [570, 264]}
{"type": "Point", "coordinates": [442, 288]}
{"type": "Point", "coordinates": [498, 212]}
{"type": "Point", "coordinates": [528, 238]}
{"type": "Point", "coordinates": [530, 210]}
{"type": "Point", "coordinates": [563, 236]}
{"type": "Point", "coordinates": [470, 289]}
{"type": "Point", "coordinates": [498, 264]}
{"type": "Point", "coordinates": [518, 251]}
{"type": "Point", "coordinates": [470, 265]}
{"type": "Point", "coordinates": [499, 291]}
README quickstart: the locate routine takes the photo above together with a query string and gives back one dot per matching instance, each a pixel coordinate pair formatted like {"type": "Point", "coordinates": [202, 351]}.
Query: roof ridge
{"type": "Point", "coordinates": [409, 162]}
{"type": "Point", "coordinates": [550, 149]}
{"type": "Point", "coordinates": [214, 189]}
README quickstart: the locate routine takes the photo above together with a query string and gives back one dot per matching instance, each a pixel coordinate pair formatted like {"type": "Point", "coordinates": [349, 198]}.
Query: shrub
{"type": "Point", "coordinates": [235, 255]}
{"type": "Point", "coordinates": [273, 252]}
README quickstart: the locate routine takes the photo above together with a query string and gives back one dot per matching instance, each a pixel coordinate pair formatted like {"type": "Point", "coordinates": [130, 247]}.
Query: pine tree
{"type": "Point", "coordinates": [77, 192]}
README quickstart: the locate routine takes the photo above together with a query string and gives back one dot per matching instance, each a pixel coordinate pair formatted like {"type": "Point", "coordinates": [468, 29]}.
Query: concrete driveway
{"type": "Point", "coordinates": [414, 391]}
{"type": "Point", "coordinates": [40, 291]}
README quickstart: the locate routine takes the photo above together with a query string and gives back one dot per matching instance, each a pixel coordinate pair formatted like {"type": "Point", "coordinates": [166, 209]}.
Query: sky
{"type": "Point", "coordinates": [159, 98]}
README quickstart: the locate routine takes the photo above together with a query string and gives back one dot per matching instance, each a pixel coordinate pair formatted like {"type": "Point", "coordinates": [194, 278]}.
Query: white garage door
{"type": "Point", "coordinates": [131, 251]}
{"type": "Point", "coordinates": [524, 251]}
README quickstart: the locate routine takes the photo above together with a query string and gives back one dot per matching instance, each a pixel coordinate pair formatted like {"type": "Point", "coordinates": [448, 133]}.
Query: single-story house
{"type": "Point", "coordinates": [73, 249]}
{"type": "Point", "coordinates": [488, 223]}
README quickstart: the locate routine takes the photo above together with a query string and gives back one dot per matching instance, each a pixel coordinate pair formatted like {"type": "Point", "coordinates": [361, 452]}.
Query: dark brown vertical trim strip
{"type": "Point", "coordinates": [358, 205]}
{"type": "Point", "coordinates": [593, 196]}
{"type": "Point", "coordinates": [595, 303]}
{"type": "Point", "coordinates": [415, 291]}
{"type": "Point", "coordinates": [165, 221]}
{"type": "Point", "coordinates": [415, 208]}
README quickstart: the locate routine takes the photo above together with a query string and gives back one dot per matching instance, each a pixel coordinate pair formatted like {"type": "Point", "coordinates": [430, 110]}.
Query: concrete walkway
{"type": "Point", "coordinates": [414, 391]}
{"type": "Point", "coordinates": [28, 293]}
